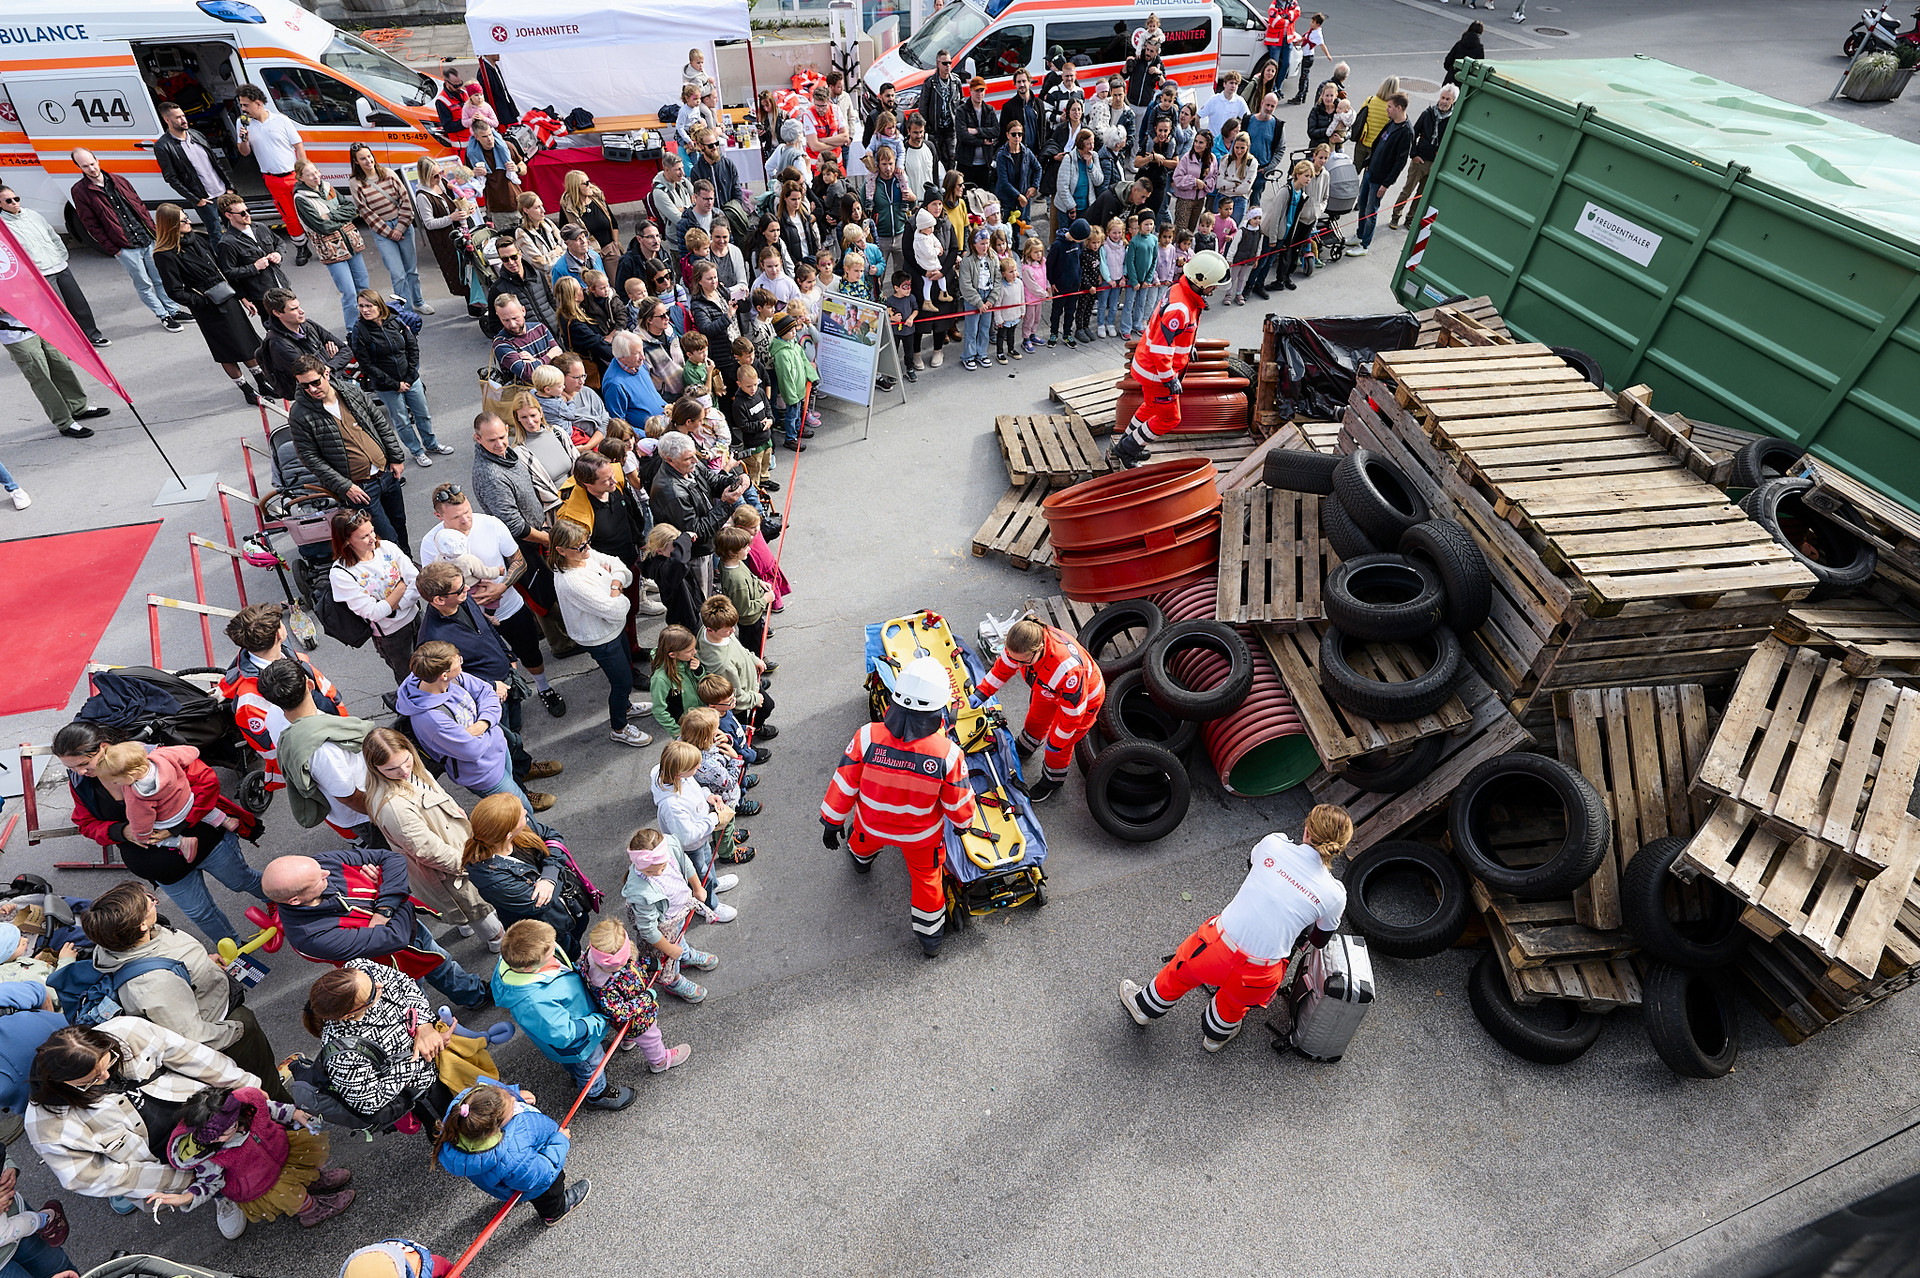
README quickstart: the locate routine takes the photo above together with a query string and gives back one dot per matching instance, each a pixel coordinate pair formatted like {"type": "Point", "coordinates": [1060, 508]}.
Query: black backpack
{"type": "Point", "coordinates": [338, 620]}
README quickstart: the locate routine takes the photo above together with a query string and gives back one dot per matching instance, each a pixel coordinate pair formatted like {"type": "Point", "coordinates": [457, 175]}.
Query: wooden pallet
{"type": "Point", "coordinates": [1480, 309]}
{"type": "Point", "coordinates": [1892, 528]}
{"type": "Point", "coordinates": [1062, 613]}
{"type": "Point", "coordinates": [1541, 638]}
{"type": "Point", "coordinates": [1272, 560]}
{"type": "Point", "coordinates": [1539, 933]}
{"type": "Point", "coordinates": [1719, 443]}
{"type": "Point", "coordinates": [1090, 400]}
{"type": "Point", "coordinates": [1339, 736]}
{"type": "Point", "coordinates": [1017, 529]}
{"type": "Point", "coordinates": [1225, 451]}
{"type": "Point", "coordinates": [1052, 447]}
{"type": "Point", "coordinates": [1789, 984]}
{"type": "Point", "coordinates": [1868, 636]}
{"type": "Point", "coordinates": [1638, 746]}
{"type": "Point", "coordinates": [1492, 732]}
{"type": "Point", "coordinates": [1796, 886]}
{"type": "Point", "coordinates": [1612, 493]}
{"type": "Point", "coordinates": [1806, 748]}
{"type": "Point", "coordinates": [1597, 985]}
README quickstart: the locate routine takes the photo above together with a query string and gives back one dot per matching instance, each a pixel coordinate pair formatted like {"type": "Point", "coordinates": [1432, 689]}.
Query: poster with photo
{"type": "Point", "coordinates": [851, 332]}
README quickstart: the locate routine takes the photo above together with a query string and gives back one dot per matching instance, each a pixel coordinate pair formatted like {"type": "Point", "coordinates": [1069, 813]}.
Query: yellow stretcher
{"type": "Point", "coordinates": [995, 840]}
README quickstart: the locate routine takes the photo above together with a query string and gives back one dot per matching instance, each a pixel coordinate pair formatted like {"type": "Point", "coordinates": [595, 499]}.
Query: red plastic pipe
{"type": "Point", "coordinates": [1128, 573]}
{"type": "Point", "coordinates": [1136, 509]}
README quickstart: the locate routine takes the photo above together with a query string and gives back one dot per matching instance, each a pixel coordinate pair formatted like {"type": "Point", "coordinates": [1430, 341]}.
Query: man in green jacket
{"type": "Point", "coordinates": [319, 756]}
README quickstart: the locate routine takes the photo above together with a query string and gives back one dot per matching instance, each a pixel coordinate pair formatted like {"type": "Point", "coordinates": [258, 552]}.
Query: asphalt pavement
{"type": "Point", "coordinates": [852, 1108]}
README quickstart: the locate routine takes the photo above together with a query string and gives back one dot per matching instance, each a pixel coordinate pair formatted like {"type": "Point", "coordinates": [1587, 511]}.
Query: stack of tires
{"type": "Point", "coordinates": [1404, 577]}
{"type": "Point", "coordinates": [1134, 759]}
{"type": "Point", "coordinates": [1686, 997]}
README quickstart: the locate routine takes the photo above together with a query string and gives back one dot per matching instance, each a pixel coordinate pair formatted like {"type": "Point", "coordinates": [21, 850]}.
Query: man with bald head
{"type": "Point", "coordinates": [114, 217]}
{"type": "Point", "coordinates": [352, 904]}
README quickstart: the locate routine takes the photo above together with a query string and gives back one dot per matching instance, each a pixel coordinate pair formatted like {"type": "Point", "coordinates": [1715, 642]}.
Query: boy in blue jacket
{"type": "Point", "coordinates": [501, 1143]}
{"type": "Point", "coordinates": [537, 985]}
{"type": "Point", "coordinates": [1063, 273]}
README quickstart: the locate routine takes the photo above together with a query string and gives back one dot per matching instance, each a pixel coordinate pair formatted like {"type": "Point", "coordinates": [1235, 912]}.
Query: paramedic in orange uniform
{"type": "Point", "coordinates": [901, 781]}
{"type": "Point", "coordinates": [1065, 701]}
{"type": "Point", "coordinates": [1163, 353]}
{"type": "Point", "coordinates": [1242, 951]}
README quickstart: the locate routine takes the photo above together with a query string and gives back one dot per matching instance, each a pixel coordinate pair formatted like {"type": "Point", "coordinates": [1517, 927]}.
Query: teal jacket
{"type": "Point", "coordinates": [554, 1009]}
{"type": "Point", "coordinates": [646, 903]}
{"type": "Point", "coordinates": [1142, 252]}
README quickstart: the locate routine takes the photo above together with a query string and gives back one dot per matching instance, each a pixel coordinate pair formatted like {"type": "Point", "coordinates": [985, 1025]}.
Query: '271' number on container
{"type": "Point", "coordinates": [1472, 166]}
{"type": "Point", "coordinates": [103, 111]}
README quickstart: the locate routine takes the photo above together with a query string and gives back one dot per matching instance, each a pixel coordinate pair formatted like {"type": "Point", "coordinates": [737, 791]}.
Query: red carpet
{"type": "Point", "coordinates": [57, 595]}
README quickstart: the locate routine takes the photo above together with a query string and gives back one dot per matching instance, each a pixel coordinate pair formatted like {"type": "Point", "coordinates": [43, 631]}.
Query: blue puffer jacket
{"type": "Point", "coordinates": [531, 1152]}
{"type": "Point", "coordinates": [554, 1008]}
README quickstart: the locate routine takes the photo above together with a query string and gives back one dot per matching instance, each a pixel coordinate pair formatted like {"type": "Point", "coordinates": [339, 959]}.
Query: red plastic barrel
{"type": "Point", "coordinates": [1127, 571]}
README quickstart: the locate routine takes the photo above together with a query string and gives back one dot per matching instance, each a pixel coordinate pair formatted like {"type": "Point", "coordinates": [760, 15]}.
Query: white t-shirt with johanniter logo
{"type": "Point", "coordinates": [1286, 892]}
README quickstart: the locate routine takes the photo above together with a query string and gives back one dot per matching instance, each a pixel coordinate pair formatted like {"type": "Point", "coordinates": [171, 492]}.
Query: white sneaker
{"type": "Point", "coordinates": [722, 914]}
{"type": "Point", "coordinates": [421, 459]}
{"type": "Point", "coordinates": [726, 883]}
{"type": "Point", "coordinates": [1360, 251]}
{"type": "Point", "coordinates": [464, 930]}
{"type": "Point", "coordinates": [1352, 241]}
{"type": "Point", "coordinates": [20, 499]}
{"type": "Point", "coordinates": [938, 359]}
{"type": "Point", "coordinates": [631, 736]}
{"type": "Point", "coordinates": [639, 705]}
{"type": "Point", "coordinates": [1215, 1044]}
{"type": "Point", "coordinates": [233, 1221]}
{"type": "Point", "coordinates": [919, 364]}
{"type": "Point", "coordinates": [650, 607]}
{"type": "Point", "coordinates": [424, 308]}
{"type": "Point", "coordinates": [1130, 999]}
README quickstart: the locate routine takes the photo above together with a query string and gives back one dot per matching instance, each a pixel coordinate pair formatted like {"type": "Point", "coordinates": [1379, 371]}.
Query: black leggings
{"type": "Point", "coordinates": [1061, 316]}
{"type": "Point", "coordinates": [522, 633]}
{"type": "Point", "coordinates": [1003, 335]}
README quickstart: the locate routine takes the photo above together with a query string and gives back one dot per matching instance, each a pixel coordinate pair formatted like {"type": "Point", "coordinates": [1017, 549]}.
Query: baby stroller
{"type": "Point", "coordinates": [1343, 195]}
{"type": "Point", "coordinates": [160, 707]}
{"type": "Point", "coordinates": [298, 511]}
{"type": "Point", "coordinates": [154, 1267]}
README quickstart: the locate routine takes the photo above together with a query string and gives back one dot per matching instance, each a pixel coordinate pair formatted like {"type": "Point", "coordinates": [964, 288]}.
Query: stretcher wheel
{"type": "Point", "coordinates": [1039, 896]}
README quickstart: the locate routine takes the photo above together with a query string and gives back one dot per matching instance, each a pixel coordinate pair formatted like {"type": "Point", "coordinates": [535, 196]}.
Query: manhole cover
{"type": "Point", "coordinates": [1548, 31]}
{"type": "Point", "coordinates": [1418, 86]}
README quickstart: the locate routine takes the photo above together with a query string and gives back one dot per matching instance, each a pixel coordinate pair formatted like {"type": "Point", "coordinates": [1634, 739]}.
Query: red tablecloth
{"type": "Point", "coordinates": [623, 183]}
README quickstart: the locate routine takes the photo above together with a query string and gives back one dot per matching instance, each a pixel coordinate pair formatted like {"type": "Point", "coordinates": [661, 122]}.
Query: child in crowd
{"type": "Point", "coordinates": [716, 693]}
{"type": "Point", "coordinates": [750, 418]}
{"type": "Point", "coordinates": [1033, 286]}
{"type": "Point", "coordinates": [666, 561]}
{"type": "Point", "coordinates": [1224, 228]}
{"type": "Point", "coordinates": [793, 376]}
{"type": "Point", "coordinates": [758, 330]}
{"type": "Point", "coordinates": [979, 275]}
{"type": "Point", "coordinates": [636, 290]}
{"type": "Point", "coordinates": [493, 1136]}
{"type": "Point", "coordinates": [695, 253]}
{"type": "Point", "coordinates": [18, 962]}
{"type": "Point", "coordinates": [1063, 275]}
{"type": "Point", "coordinates": [773, 276]}
{"type": "Point", "coordinates": [662, 890]}
{"type": "Point", "coordinates": [697, 374]}
{"type": "Point", "coordinates": [746, 592]}
{"type": "Point", "coordinates": [154, 787]}
{"type": "Point", "coordinates": [1182, 252]}
{"type": "Point", "coordinates": [808, 281]}
{"type": "Point", "coordinates": [827, 266]}
{"type": "Point", "coordinates": [618, 987]}
{"type": "Point", "coordinates": [900, 302]}
{"type": "Point", "coordinates": [689, 415]}
{"type": "Point", "coordinates": [719, 771]}
{"type": "Point", "coordinates": [536, 984]}
{"type": "Point", "coordinates": [1205, 238]}
{"type": "Point", "coordinates": [854, 237]}
{"type": "Point", "coordinates": [256, 1153]}
{"type": "Point", "coordinates": [1143, 249]}
{"type": "Point", "coordinates": [1091, 281]}
{"type": "Point", "coordinates": [1164, 269]}
{"type": "Point", "coordinates": [703, 824]}
{"type": "Point", "coordinates": [760, 558]}
{"type": "Point", "coordinates": [1113, 279]}
{"type": "Point", "coordinates": [722, 652]}
{"type": "Point", "coordinates": [1245, 257]}
{"type": "Point", "coordinates": [1012, 304]}
{"type": "Point", "coordinates": [853, 275]}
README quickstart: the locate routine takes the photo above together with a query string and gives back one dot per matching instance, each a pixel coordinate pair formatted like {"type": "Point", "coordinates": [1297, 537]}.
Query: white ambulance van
{"type": "Point", "coordinates": [90, 73]}
{"type": "Point", "coordinates": [1203, 39]}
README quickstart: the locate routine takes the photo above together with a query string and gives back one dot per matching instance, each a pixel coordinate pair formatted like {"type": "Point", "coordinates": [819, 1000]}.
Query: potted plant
{"type": "Point", "coordinates": [1880, 77]}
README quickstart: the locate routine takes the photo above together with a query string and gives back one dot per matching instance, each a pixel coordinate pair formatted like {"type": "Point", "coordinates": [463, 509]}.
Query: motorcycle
{"type": "Point", "coordinates": [1881, 30]}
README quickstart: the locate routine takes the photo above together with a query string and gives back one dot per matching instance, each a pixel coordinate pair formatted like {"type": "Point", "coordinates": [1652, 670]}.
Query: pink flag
{"type": "Point", "coordinates": [26, 295]}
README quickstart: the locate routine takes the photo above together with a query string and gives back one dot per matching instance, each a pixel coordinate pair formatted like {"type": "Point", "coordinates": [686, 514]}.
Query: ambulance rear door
{"type": "Point", "coordinates": [104, 107]}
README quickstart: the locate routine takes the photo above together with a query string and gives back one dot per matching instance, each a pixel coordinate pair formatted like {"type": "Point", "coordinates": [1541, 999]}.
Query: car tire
{"type": "Point", "coordinates": [1692, 1020]}
{"type": "Point", "coordinates": [1430, 935]}
{"type": "Point", "coordinates": [1762, 460]}
{"type": "Point", "coordinates": [1342, 533]}
{"type": "Point", "coordinates": [1298, 471]}
{"type": "Point", "coordinates": [1384, 598]}
{"type": "Point", "coordinates": [1390, 702]}
{"type": "Point", "coordinates": [1474, 814]}
{"type": "Point", "coordinates": [1462, 567]}
{"type": "Point", "coordinates": [1378, 497]}
{"type": "Point", "coordinates": [1845, 562]}
{"type": "Point", "coordinates": [1128, 614]}
{"type": "Point", "coordinates": [1555, 1032]}
{"type": "Point", "coordinates": [1129, 709]}
{"type": "Point", "coordinates": [1123, 819]}
{"type": "Point", "coordinates": [1586, 365]}
{"type": "Point", "coordinates": [1713, 942]}
{"type": "Point", "coordinates": [1199, 703]}
{"type": "Point", "coordinates": [1382, 773]}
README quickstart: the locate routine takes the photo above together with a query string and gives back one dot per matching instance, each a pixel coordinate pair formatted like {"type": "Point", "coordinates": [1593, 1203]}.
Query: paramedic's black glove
{"type": "Point", "coordinates": [830, 836]}
{"type": "Point", "coordinates": [1318, 939]}
{"type": "Point", "coordinates": [1174, 386]}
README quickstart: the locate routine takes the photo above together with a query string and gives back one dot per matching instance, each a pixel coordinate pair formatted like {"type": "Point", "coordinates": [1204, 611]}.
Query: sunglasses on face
{"type": "Point", "coordinates": [312, 385]}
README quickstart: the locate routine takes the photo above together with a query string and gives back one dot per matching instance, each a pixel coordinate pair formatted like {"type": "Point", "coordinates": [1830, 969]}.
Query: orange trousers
{"type": "Point", "coordinates": [1041, 712]}
{"type": "Point", "coordinates": [280, 187]}
{"type": "Point", "coordinates": [1205, 958]}
{"type": "Point", "coordinates": [925, 861]}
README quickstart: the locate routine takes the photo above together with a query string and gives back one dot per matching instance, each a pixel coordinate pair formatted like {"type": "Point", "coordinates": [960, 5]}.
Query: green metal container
{"type": "Point", "coordinates": [1756, 263]}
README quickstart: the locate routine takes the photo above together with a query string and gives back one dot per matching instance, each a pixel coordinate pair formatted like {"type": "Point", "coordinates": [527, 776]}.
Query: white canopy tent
{"type": "Point", "coordinates": [613, 57]}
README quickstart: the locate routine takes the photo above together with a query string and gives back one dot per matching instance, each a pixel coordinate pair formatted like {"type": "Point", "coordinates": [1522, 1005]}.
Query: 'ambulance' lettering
{"type": "Point", "coordinates": [43, 35]}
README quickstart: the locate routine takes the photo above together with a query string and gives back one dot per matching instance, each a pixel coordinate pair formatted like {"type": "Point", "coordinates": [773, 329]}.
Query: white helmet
{"type": "Point", "coordinates": [1206, 269]}
{"type": "Point", "coordinates": [922, 685]}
